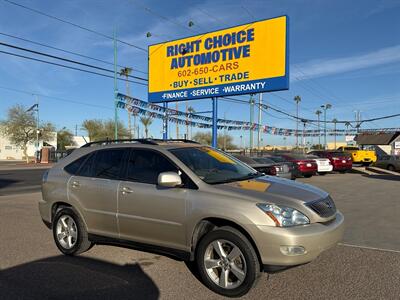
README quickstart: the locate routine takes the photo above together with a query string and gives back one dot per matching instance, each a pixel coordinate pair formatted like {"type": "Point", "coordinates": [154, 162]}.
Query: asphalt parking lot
{"type": "Point", "coordinates": [365, 266]}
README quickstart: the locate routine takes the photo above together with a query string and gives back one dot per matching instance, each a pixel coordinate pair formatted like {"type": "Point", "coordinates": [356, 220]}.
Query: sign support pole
{"type": "Point", "coordinates": [165, 122]}
{"type": "Point", "coordinates": [214, 122]}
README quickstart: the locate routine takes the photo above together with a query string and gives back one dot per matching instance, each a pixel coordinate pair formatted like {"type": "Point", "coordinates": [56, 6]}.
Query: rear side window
{"type": "Point", "coordinates": [144, 166]}
{"type": "Point", "coordinates": [109, 163]}
{"type": "Point", "coordinates": [86, 169]}
{"type": "Point", "coordinates": [73, 167]}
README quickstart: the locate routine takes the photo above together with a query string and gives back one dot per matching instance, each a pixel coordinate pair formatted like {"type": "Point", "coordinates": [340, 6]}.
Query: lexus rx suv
{"type": "Point", "coordinates": [190, 202]}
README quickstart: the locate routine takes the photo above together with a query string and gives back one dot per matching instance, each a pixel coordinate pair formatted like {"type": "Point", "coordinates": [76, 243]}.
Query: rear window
{"type": "Point", "coordinates": [339, 154]}
{"type": "Point", "coordinates": [73, 167]}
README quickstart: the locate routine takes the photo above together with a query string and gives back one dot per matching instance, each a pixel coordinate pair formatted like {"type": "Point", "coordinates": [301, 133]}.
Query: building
{"type": "Point", "coordinates": [384, 143]}
{"type": "Point", "coordinates": [9, 151]}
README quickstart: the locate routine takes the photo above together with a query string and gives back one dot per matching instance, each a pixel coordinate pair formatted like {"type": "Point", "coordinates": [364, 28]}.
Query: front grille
{"type": "Point", "coordinates": [323, 207]}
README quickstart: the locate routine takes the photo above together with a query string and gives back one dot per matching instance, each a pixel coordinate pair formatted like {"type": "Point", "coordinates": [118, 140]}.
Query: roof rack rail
{"type": "Point", "coordinates": [175, 140]}
{"type": "Point", "coordinates": [107, 142]}
{"type": "Point", "coordinates": [141, 141]}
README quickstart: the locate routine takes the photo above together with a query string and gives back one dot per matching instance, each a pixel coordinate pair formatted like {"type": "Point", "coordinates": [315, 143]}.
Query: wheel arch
{"type": "Point", "coordinates": [56, 206]}
{"type": "Point", "coordinates": [210, 223]}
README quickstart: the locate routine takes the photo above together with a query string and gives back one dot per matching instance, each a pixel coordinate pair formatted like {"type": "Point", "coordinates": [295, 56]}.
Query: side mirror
{"type": "Point", "coordinates": [169, 179]}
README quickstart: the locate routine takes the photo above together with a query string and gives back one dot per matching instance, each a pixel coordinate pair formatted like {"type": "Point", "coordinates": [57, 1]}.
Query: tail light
{"type": "Point", "coordinates": [272, 171]}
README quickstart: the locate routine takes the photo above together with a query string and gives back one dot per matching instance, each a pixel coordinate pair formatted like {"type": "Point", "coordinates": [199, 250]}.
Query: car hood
{"type": "Point", "coordinates": [273, 189]}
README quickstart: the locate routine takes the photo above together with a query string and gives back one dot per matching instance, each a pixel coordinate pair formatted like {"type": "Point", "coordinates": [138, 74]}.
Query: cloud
{"type": "Point", "coordinates": [321, 68]}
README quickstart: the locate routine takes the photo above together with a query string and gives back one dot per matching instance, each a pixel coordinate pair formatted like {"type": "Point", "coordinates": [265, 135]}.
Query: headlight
{"type": "Point", "coordinates": [284, 216]}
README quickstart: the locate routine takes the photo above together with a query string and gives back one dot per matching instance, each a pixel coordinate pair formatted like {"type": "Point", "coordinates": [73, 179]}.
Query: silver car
{"type": "Point", "coordinates": [190, 202]}
{"type": "Point", "coordinates": [388, 162]}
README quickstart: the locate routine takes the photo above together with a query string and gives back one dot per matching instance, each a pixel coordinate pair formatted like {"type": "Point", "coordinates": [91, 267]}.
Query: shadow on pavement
{"type": "Point", "coordinates": [63, 277]}
{"type": "Point", "coordinates": [6, 182]}
{"type": "Point", "coordinates": [384, 177]}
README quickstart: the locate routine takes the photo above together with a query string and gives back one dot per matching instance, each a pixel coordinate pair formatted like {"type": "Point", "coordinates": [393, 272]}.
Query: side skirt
{"type": "Point", "coordinates": [169, 252]}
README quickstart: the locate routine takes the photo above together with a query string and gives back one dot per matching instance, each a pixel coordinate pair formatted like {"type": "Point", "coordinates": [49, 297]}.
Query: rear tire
{"type": "Point", "coordinates": [307, 175]}
{"type": "Point", "coordinates": [391, 168]}
{"type": "Point", "coordinates": [227, 262]}
{"type": "Point", "coordinates": [69, 232]}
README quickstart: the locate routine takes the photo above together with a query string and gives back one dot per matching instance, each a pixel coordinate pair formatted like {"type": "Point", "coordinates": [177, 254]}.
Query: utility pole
{"type": "Point", "coordinates": [260, 95]}
{"type": "Point", "coordinates": [297, 99]}
{"type": "Point", "coordinates": [325, 107]}
{"type": "Point", "coordinates": [115, 88]}
{"type": "Point", "coordinates": [37, 128]}
{"type": "Point", "coordinates": [251, 121]}
{"type": "Point", "coordinates": [76, 129]}
{"type": "Point", "coordinates": [318, 113]}
{"type": "Point", "coordinates": [126, 72]}
{"type": "Point", "coordinates": [224, 131]}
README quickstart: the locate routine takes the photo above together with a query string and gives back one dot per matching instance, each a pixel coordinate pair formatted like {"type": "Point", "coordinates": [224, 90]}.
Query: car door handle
{"type": "Point", "coordinates": [75, 184]}
{"type": "Point", "coordinates": [126, 190]}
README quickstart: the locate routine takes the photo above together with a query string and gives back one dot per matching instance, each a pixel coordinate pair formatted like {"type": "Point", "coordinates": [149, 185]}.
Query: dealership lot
{"type": "Point", "coordinates": [32, 267]}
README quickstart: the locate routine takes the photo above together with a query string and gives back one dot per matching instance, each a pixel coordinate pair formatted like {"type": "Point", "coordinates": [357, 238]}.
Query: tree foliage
{"type": "Point", "coordinates": [205, 138]}
{"type": "Point", "coordinates": [146, 121]}
{"type": "Point", "coordinates": [102, 130]}
{"type": "Point", "coordinates": [20, 128]}
{"type": "Point", "coordinates": [64, 138]}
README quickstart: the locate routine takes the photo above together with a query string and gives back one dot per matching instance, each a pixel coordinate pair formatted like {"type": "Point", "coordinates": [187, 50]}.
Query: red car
{"type": "Point", "coordinates": [303, 166]}
{"type": "Point", "coordinates": [340, 161]}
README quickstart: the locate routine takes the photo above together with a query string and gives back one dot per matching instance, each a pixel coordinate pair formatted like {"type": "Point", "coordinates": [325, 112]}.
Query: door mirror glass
{"type": "Point", "coordinates": [169, 179]}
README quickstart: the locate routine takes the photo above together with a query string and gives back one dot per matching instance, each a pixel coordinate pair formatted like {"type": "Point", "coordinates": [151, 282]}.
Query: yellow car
{"type": "Point", "coordinates": [359, 156]}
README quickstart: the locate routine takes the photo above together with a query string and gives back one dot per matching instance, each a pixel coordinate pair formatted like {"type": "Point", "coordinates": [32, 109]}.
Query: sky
{"type": "Point", "coordinates": [345, 53]}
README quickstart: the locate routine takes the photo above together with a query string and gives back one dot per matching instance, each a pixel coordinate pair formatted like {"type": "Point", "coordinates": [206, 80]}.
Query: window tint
{"type": "Point", "coordinates": [108, 163]}
{"type": "Point", "coordinates": [73, 167]}
{"type": "Point", "coordinates": [144, 166]}
{"type": "Point", "coordinates": [86, 169]}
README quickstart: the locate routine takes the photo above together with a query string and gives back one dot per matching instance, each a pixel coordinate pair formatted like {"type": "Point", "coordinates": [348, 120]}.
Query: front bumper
{"type": "Point", "coordinates": [314, 238]}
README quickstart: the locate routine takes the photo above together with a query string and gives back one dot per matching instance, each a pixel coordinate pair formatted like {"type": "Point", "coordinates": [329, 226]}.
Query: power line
{"type": "Point", "coordinates": [68, 51]}
{"type": "Point", "coordinates": [69, 67]}
{"type": "Point", "coordinates": [65, 59]}
{"type": "Point", "coordinates": [74, 24]}
{"type": "Point", "coordinates": [152, 12]}
{"type": "Point", "coordinates": [55, 98]}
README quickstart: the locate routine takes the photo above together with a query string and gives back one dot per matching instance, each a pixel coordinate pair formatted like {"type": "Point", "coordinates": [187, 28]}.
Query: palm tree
{"type": "Point", "coordinates": [146, 121]}
{"type": "Point", "coordinates": [297, 99]}
{"type": "Point", "coordinates": [191, 111]}
{"type": "Point", "coordinates": [126, 72]}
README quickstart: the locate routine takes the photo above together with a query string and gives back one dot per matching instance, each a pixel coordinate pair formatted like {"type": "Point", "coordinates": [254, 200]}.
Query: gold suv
{"type": "Point", "coordinates": [190, 202]}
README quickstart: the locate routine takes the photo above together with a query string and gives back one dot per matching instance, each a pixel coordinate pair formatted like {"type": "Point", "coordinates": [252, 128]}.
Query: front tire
{"type": "Point", "coordinates": [391, 168]}
{"type": "Point", "coordinates": [69, 232]}
{"type": "Point", "coordinates": [227, 262]}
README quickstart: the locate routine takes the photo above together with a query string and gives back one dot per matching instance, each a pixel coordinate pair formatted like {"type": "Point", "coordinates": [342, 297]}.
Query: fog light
{"type": "Point", "coordinates": [293, 250]}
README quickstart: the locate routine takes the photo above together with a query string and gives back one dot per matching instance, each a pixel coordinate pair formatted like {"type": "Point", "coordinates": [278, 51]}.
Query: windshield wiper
{"type": "Point", "coordinates": [247, 177]}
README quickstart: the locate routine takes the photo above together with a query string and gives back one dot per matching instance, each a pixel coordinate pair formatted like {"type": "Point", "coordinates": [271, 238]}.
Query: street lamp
{"type": "Point", "coordinates": [297, 99]}
{"type": "Point", "coordinates": [334, 123]}
{"type": "Point", "coordinates": [325, 107]}
{"type": "Point", "coordinates": [318, 113]}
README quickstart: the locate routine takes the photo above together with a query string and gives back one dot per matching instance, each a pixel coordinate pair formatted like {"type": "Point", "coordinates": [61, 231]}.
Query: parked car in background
{"type": "Point", "coordinates": [341, 161]}
{"type": "Point", "coordinates": [269, 168]}
{"type": "Point", "coordinates": [359, 156]}
{"type": "Point", "coordinates": [324, 164]}
{"type": "Point", "coordinates": [304, 166]}
{"type": "Point", "coordinates": [389, 162]}
{"type": "Point", "coordinates": [283, 169]}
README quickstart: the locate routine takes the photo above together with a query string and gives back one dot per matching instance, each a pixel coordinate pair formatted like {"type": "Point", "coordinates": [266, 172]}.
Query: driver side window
{"type": "Point", "coordinates": [144, 166]}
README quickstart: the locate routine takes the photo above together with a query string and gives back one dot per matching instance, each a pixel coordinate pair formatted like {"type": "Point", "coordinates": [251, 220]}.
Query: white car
{"type": "Point", "coordinates": [324, 164]}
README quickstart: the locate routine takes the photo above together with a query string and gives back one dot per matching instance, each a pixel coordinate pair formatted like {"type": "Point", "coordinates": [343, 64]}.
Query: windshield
{"type": "Point", "coordinates": [213, 166]}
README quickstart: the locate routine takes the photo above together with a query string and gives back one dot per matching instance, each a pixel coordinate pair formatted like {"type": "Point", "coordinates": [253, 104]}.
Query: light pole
{"type": "Point", "coordinates": [259, 120]}
{"type": "Point", "coordinates": [126, 72]}
{"type": "Point", "coordinates": [325, 107]}
{"type": "Point", "coordinates": [251, 121]}
{"type": "Point", "coordinates": [318, 113]}
{"type": "Point", "coordinates": [334, 129]}
{"type": "Point", "coordinates": [304, 137]}
{"type": "Point", "coordinates": [297, 99]}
